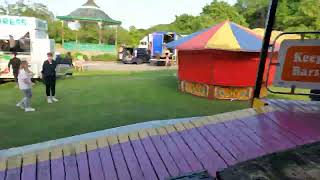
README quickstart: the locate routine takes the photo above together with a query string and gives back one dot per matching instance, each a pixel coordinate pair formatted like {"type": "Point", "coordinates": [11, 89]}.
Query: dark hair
{"type": "Point", "coordinates": [50, 54]}
{"type": "Point", "coordinates": [14, 53]}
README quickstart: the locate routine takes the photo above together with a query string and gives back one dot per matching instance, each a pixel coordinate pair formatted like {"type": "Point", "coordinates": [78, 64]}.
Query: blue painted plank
{"type": "Point", "coordinates": [70, 165]}
{"type": "Point", "coordinates": [108, 164]}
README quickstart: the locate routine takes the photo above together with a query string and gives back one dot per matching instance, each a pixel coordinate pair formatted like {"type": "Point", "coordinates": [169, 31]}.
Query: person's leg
{"type": "Point", "coordinates": [53, 90]}
{"type": "Point", "coordinates": [48, 88]}
{"type": "Point", "coordinates": [28, 94]}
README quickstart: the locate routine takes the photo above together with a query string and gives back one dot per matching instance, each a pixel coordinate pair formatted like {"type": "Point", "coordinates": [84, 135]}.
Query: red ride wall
{"type": "Point", "coordinates": [218, 67]}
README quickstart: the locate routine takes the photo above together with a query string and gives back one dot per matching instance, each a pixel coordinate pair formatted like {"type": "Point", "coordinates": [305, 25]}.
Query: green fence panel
{"type": "Point", "coordinates": [72, 46]}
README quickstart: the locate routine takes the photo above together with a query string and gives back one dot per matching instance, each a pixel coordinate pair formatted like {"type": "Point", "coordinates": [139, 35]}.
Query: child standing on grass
{"type": "Point", "coordinates": [25, 85]}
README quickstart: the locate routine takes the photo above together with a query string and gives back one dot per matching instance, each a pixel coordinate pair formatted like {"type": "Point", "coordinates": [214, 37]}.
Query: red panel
{"type": "Point", "coordinates": [217, 67]}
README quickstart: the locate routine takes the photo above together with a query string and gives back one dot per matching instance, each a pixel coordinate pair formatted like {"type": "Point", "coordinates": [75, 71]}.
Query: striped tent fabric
{"type": "Point", "coordinates": [225, 36]}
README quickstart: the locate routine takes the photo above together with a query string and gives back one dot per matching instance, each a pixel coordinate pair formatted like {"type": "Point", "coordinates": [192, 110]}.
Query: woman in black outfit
{"type": "Point", "coordinates": [49, 77]}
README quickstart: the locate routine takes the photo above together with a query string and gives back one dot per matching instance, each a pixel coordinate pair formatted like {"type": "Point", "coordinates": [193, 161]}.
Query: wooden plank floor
{"type": "Point", "coordinates": [212, 143]}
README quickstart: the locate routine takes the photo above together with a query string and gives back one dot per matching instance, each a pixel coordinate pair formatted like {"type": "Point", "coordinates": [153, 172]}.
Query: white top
{"type": "Point", "coordinates": [22, 77]}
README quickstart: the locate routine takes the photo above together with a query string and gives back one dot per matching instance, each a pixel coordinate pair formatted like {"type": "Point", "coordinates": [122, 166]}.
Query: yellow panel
{"type": "Point", "coordinates": [56, 153]}
{"type": "Point", "coordinates": [233, 93]}
{"type": "Point", "coordinates": [162, 131]}
{"type": "Point", "coordinates": [198, 122]}
{"type": "Point", "coordinates": [112, 140]}
{"type": "Point", "coordinates": [197, 89]}
{"type": "Point", "coordinates": [258, 103]}
{"type": "Point", "coordinates": [102, 142]}
{"type": "Point", "coordinates": [3, 164]}
{"type": "Point", "coordinates": [143, 134]}
{"type": "Point", "coordinates": [123, 138]}
{"type": "Point", "coordinates": [68, 150]}
{"type": "Point", "coordinates": [14, 162]}
{"type": "Point", "coordinates": [170, 129]}
{"type": "Point", "coordinates": [179, 127]}
{"type": "Point", "coordinates": [224, 39]}
{"type": "Point", "coordinates": [152, 132]}
{"type": "Point", "coordinates": [80, 147]}
{"type": "Point", "coordinates": [134, 136]}
{"type": "Point", "coordinates": [29, 159]}
{"type": "Point", "coordinates": [43, 155]}
{"type": "Point", "coordinates": [92, 145]}
{"type": "Point", "coordinates": [188, 125]}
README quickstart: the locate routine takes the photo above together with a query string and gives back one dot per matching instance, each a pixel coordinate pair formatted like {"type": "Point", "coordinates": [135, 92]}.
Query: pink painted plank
{"type": "Point", "coordinates": [108, 164]}
{"type": "Point", "coordinates": [57, 169]}
{"type": "Point", "coordinates": [165, 156]}
{"type": "Point", "coordinates": [216, 145]}
{"type": "Point", "coordinates": [43, 170]}
{"type": "Point", "coordinates": [176, 154]}
{"type": "Point", "coordinates": [83, 166]}
{"type": "Point", "coordinates": [210, 160]}
{"type": "Point", "coordinates": [147, 169]}
{"type": "Point", "coordinates": [13, 174]}
{"type": "Point", "coordinates": [132, 162]}
{"type": "Point", "coordinates": [95, 165]}
{"type": "Point", "coordinates": [71, 169]}
{"type": "Point", "coordinates": [187, 152]}
{"type": "Point", "coordinates": [28, 172]}
{"type": "Point", "coordinates": [120, 163]}
{"type": "Point", "coordinates": [156, 161]}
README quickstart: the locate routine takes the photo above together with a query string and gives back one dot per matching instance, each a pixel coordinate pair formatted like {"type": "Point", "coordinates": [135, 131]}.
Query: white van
{"type": "Point", "coordinates": [28, 37]}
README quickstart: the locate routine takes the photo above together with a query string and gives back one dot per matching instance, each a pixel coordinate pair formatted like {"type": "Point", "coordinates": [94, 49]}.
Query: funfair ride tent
{"type": "Point", "coordinates": [220, 62]}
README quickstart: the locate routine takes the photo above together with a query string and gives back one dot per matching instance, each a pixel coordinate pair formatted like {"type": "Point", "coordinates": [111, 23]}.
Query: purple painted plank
{"type": "Point", "coordinates": [147, 169]}
{"type": "Point", "coordinates": [266, 128]}
{"type": "Point", "coordinates": [2, 175]}
{"type": "Point", "coordinates": [28, 172]}
{"type": "Point", "coordinates": [269, 144]}
{"type": "Point", "coordinates": [95, 165]}
{"type": "Point", "coordinates": [215, 144]}
{"type": "Point", "coordinates": [177, 156]}
{"type": "Point", "coordinates": [107, 164]}
{"type": "Point", "coordinates": [57, 169]}
{"type": "Point", "coordinates": [165, 155]}
{"type": "Point", "coordinates": [132, 162]}
{"type": "Point", "coordinates": [83, 167]}
{"type": "Point", "coordinates": [71, 169]}
{"type": "Point", "coordinates": [13, 174]}
{"type": "Point", "coordinates": [43, 170]}
{"type": "Point", "coordinates": [255, 149]}
{"type": "Point", "coordinates": [155, 158]}
{"type": "Point", "coordinates": [291, 125]}
{"type": "Point", "coordinates": [211, 163]}
{"type": "Point", "coordinates": [224, 135]}
{"type": "Point", "coordinates": [120, 163]}
{"type": "Point", "coordinates": [186, 151]}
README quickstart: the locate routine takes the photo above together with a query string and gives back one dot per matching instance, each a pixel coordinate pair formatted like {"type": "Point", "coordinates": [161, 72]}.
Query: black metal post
{"type": "Point", "coordinates": [265, 47]}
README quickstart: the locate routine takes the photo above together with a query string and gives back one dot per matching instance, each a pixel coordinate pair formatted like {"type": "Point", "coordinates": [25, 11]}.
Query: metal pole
{"type": "Point", "coordinates": [62, 33]}
{"type": "Point", "coordinates": [116, 38]}
{"type": "Point", "coordinates": [100, 32]}
{"type": "Point", "coordinates": [265, 47]}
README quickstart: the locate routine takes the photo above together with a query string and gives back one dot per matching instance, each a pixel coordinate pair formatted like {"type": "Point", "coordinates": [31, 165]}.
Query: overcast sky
{"type": "Point", "coordinates": [139, 13]}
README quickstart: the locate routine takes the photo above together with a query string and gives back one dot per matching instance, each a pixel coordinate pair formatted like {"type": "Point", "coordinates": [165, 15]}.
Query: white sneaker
{"type": "Point", "coordinates": [49, 100]}
{"type": "Point", "coordinates": [20, 105]}
{"type": "Point", "coordinates": [54, 99]}
{"type": "Point", "coordinates": [30, 110]}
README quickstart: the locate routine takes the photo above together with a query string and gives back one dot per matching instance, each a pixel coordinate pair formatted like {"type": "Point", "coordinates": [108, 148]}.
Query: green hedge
{"type": "Point", "coordinates": [104, 57]}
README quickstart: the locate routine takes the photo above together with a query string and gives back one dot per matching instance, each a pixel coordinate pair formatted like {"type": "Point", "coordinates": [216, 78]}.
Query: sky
{"type": "Point", "coordinates": [138, 13]}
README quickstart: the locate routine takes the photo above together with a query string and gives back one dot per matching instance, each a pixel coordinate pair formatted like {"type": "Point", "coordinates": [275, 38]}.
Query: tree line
{"type": "Point", "coordinates": [292, 15]}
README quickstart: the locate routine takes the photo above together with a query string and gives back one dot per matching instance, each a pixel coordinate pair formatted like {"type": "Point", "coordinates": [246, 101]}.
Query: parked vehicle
{"type": "Point", "coordinates": [135, 56]}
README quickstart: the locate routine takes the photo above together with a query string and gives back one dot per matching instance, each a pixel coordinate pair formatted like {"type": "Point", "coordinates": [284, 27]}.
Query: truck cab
{"type": "Point", "coordinates": [28, 36]}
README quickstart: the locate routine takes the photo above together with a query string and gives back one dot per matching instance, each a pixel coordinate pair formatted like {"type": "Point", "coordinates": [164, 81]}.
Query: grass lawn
{"type": "Point", "coordinates": [94, 101]}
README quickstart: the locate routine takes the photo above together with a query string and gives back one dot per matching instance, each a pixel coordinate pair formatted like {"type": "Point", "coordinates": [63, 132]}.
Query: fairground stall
{"type": "Point", "coordinates": [220, 62]}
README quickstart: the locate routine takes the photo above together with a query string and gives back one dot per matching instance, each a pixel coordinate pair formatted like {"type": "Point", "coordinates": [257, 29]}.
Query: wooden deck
{"type": "Point", "coordinates": [211, 143]}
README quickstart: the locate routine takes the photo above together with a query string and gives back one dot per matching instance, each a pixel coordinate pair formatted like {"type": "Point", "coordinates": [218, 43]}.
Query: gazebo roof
{"type": "Point", "coordinates": [89, 11]}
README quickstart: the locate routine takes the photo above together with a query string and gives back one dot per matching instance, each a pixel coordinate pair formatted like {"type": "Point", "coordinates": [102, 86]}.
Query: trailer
{"type": "Point", "coordinates": [31, 42]}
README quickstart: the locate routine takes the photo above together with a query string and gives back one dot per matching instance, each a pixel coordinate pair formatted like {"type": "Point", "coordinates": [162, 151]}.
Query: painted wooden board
{"type": "Point", "coordinates": [43, 166]}
{"type": "Point", "coordinates": [193, 161]}
{"type": "Point", "coordinates": [57, 165]}
{"type": "Point", "coordinates": [14, 168]}
{"type": "Point", "coordinates": [164, 153]}
{"type": "Point", "coordinates": [118, 158]}
{"type": "Point", "coordinates": [130, 157]}
{"type": "Point", "coordinates": [181, 162]}
{"type": "Point", "coordinates": [3, 167]}
{"type": "Point", "coordinates": [147, 168]}
{"type": "Point", "coordinates": [106, 159]}
{"type": "Point", "coordinates": [223, 152]}
{"type": "Point", "coordinates": [153, 155]}
{"type": "Point", "coordinates": [95, 165]}
{"type": "Point", "coordinates": [29, 167]}
{"type": "Point", "coordinates": [82, 161]}
{"type": "Point", "coordinates": [70, 163]}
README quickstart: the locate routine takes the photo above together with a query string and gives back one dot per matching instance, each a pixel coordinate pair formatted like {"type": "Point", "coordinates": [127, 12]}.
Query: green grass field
{"type": "Point", "coordinates": [94, 101]}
